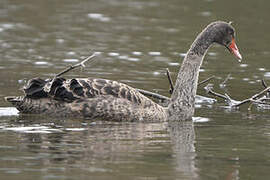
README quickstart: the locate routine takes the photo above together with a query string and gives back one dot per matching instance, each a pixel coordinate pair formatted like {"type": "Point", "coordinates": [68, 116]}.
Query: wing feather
{"type": "Point", "coordinates": [81, 88]}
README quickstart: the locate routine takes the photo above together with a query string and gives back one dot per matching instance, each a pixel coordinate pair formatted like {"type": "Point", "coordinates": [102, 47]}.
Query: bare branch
{"type": "Point", "coordinates": [260, 93]}
{"type": "Point", "coordinates": [233, 103]}
{"type": "Point", "coordinates": [170, 81]}
{"type": "Point", "coordinates": [47, 87]}
{"type": "Point", "coordinates": [209, 90]}
{"type": "Point", "coordinates": [81, 64]}
{"type": "Point", "coordinates": [154, 95]}
{"type": "Point", "coordinates": [206, 80]}
{"type": "Point", "coordinates": [264, 83]}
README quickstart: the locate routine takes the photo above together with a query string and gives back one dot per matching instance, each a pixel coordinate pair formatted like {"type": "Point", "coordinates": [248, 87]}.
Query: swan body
{"type": "Point", "coordinates": [87, 97]}
{"type": "Point", "coordinates": [112, 100]}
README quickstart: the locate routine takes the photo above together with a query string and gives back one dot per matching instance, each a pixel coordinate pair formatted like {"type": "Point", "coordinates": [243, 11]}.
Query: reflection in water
{"type": "Point", "coordinates": [183, 138]}
{"type": "Point", "coordinates": [103, 147]}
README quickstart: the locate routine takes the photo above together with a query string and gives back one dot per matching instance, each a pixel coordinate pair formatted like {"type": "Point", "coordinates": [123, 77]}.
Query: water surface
{"type": "Point", "coordinates": [138, 40]}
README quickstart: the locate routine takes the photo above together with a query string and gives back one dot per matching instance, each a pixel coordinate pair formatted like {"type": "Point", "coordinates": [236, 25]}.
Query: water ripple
{"type": "Point", "coordinates": [99, 17]}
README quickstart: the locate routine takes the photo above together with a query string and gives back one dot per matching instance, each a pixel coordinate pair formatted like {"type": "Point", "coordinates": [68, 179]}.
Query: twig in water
{"type": "Point", "coordinates": [206, 80]}
{"type": "Point", "coordinates": [233, 103]}
{"type": "Point", "coordinates": [170, 81]}
{"type": "Point", "coordinates": [81, 64]}
{"type": "Point", "coordinates": [154, 95]}
{"type": "Point", "coordinates": [209, 90]}
{"type": "Point", "coordinates": [47, 87]}
{"type": "Point", "coordinates": [223, 84]}
{"type": "Point", "coordinates": [264, 83]}
{"type": "Point", "coordinates": [265, 86]}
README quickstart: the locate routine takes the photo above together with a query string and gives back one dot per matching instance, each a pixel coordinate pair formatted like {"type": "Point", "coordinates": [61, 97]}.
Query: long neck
{"type": "Point", "coordinates": [182, 102]}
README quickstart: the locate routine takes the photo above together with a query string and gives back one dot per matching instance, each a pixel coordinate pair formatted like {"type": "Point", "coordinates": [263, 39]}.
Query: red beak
{"type": "Point", "coordinates": [233, 48]}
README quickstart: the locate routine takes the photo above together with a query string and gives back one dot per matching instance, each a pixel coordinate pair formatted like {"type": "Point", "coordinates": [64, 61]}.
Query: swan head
{"type": "Point", "coordinates": [224, 34]}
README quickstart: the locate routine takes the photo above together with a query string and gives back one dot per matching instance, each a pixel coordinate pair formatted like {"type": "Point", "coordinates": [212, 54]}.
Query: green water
{"type": "Point", "coordinates": [138, 40]}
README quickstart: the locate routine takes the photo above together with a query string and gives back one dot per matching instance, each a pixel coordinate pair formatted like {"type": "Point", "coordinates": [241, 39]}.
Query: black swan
{"type": "Point", "coordinates": [111, 100]}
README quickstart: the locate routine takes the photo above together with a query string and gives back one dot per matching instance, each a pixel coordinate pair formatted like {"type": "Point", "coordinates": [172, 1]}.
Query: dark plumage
{"type": "Point", "coordinates": [111, 100]}
{"type": "Point", "coordinates": [86, 97]}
